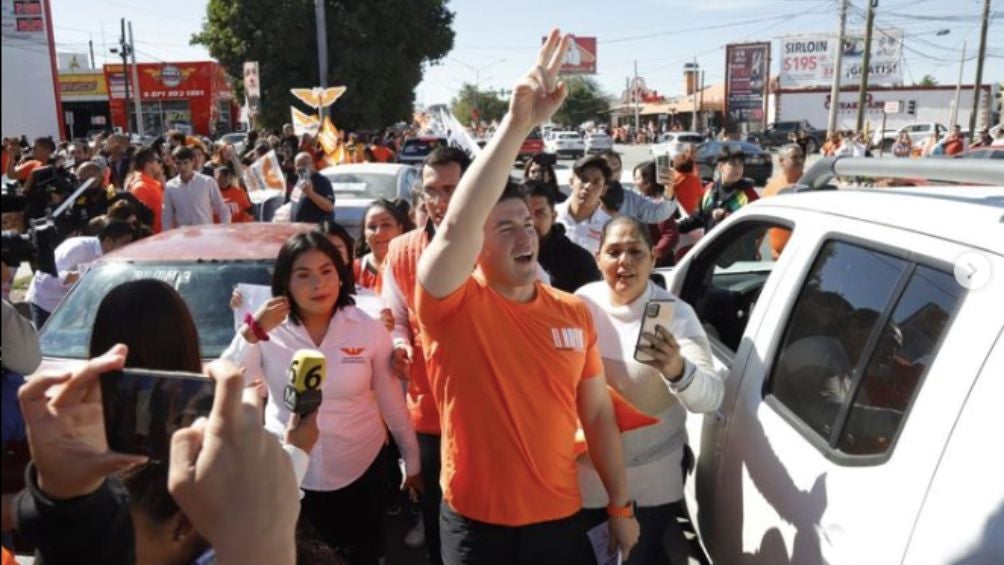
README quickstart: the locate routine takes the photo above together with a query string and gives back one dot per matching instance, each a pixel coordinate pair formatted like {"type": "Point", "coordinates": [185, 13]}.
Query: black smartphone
{"type": "Point", "coordinates": [144, 408]}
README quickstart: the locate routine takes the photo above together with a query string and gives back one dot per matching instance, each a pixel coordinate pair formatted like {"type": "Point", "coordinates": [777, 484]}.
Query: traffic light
{"type": "Point", "coordinates": [911, 107]}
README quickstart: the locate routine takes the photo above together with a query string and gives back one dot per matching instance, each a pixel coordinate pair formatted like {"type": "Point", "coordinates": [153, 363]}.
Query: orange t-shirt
{"type": "Point", "coordinates": [688, 191]}
{"type": "Point", "coordinates": [239, 203]}
{"type": "Point", "coordinates": [402, 257]}
{"type": "Point", "coordinates": [382, 154]}
{"type": "Point", "coordinates": [150, 192]}
{"type": "Point", "coordinates": [778, 236]}
{"type": "Point", "coordinates": [24, 171]}
{"type": "Point", "coordinates": [505, 376]}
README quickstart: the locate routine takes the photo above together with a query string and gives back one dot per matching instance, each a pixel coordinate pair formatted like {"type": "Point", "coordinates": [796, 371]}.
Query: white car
{"type": "Point", "coordinates": [357, 185]}
{"type": "Point", "coordinates": [863, 371]}
{"type": "Point", "coordinates": [672, 143]}
{"type": "Point", "coordinates": [598, 142]}
{"type": "Point", "coordinates": [238, 139]}
{"type": "Point", "coordinates": [918, 132]}
{"type": "Point", "coordinates": [565, 144]}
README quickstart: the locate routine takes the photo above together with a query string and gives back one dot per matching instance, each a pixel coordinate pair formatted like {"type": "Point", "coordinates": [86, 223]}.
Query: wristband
{"type": "Point", "coordinates": [259, 333]}
{"type": "Point", "coordinates": [626, 511]}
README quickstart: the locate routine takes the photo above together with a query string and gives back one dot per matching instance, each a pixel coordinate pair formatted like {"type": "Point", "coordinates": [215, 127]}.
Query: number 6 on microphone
{"type": "Point", "coordinates": [306, 373]}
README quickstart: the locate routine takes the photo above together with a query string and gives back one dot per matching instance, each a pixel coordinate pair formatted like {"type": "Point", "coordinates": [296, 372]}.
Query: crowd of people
{"type": "Point", "coordinates": [504, 387]}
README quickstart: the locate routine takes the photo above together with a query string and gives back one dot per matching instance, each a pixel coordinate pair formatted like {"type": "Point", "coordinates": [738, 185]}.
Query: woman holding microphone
{"type": "Point", "coordinates": [313, 308]}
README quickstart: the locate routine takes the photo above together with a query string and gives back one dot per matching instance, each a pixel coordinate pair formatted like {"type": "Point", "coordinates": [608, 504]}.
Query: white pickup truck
{"type": "Point", "coordinates": [863, 356]}
{"type": "Point", "coordinates": [918, 132]}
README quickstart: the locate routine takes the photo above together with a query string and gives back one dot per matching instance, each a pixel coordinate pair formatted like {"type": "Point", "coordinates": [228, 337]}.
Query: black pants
{"type": "Point", "coordinates": [655, 523]}
{"type": "Point", "coordinates": [39, 315]}
{"type": "Point", "coordinates": [350, 519]}
{"type": "Point", "coordinates": [428, 446]}
{"type": "Point", "coordinates": [559, 542]}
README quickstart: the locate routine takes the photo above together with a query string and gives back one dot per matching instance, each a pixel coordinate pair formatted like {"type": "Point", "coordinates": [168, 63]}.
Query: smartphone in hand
{"type": "Point", "coordinates": [657, 313]}
{"type": "Point", "coordinates": [142, 408]}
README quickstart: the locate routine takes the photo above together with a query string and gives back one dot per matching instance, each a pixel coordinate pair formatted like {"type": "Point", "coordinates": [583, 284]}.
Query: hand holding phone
{"type": "Point", "coordinates": [657, 313]}
{"type": "Point", "coordinates": [66, 431]}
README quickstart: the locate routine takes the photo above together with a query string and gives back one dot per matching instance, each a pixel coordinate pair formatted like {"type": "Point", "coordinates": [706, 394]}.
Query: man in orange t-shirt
{"type": "Point", "coordinates": [514, 366]}
{"type": "Point", "coordinates": [146, 186]}
{"type": "Point", "coordinates": [41, 153]}
{"type": "Point", "coordinates": [686, 184]}
{"type": "Point", "coordinates": [235, 197]}
{"type": "Point", "coordinates": [792, 161]}
{"type": "Point", "coordinates": [441, 172]}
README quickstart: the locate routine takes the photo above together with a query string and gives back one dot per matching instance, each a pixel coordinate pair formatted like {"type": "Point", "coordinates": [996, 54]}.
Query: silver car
{"type": "Point", "coordinates": [356, 186]}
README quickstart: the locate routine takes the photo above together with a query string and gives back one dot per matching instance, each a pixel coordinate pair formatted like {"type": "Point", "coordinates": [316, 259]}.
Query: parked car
{"type": "Point", "coordinates": [776, 135]}
{"type": "Point", "coordinates": [673, 142]}
{"type": "Point", "coordinates": [413, 151]}
{"type": "Point", "coordinates": [862, 371]}
{"type": "Point", "coordinates": [203, 263]}
{"type": "Point", "coordinates": [532, 145]}
{"type": "Point", "coordinates": [759, 165]}
{"type": "Point", "coordinates": [565, 144]}
{"type": "Point", "coordinates": [357, 185]}
{"type": "Point", "coordinates": [598, 142]}
{"type": "Point", "coordinates": [992, 152]}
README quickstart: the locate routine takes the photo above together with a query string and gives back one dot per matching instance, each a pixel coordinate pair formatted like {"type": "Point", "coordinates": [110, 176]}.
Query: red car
{"type": "Point", "coordinates": [203, 263]}
{"type": "Point", "coordinates": [532, 145]}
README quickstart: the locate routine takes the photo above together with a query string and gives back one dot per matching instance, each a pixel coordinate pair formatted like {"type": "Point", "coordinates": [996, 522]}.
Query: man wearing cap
{"type": "Point", "coordinates": [581, 214]}
{"type": "Point", "coordinates": [729, 192]}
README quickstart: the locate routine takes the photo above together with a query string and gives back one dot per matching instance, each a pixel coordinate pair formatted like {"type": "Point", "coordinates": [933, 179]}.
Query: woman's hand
{"type": "Point", "coordinates": [272, 313]}
{"type": "Point", "coordinates": [539, 94]}
{"type": "Point", "coordinates": [302, 432]}
{"type": "Point", "coordinates": [665, 353]}
{"type": "Point", "coordinates": [236, 299]}
{"type": "Point", "coordinates": [414, 486]}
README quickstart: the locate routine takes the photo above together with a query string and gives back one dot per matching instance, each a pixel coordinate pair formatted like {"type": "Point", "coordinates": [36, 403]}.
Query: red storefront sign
{"type": "Point", "coordinates": [201, 88]}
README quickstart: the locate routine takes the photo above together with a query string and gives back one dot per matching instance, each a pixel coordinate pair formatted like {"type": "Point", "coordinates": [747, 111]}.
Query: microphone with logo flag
{"type": "Point", "coordinates": [306, 373]}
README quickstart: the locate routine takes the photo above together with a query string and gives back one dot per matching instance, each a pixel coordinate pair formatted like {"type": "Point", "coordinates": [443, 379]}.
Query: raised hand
{"type": "Point", "coordinates": [272, 313]}
{"type": "Point", "coordinates": [539, 94]}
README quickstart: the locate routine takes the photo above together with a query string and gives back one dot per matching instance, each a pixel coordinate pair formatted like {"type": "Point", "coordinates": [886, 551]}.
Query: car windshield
{"type": "Point", "coordinates": [205, 287]}
{"type": "Point", "coordinates": [363, 185]}
{"type": "Point", "coordinates": [689, 138]}
{"type": "Point", "coordinates": [416, 147]}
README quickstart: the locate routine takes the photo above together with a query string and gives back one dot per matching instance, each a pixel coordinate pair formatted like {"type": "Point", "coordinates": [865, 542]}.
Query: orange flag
{"type": "Point", "coordinates": [331, 142]}
{"type": "Point", "coordinates": [628, 418]}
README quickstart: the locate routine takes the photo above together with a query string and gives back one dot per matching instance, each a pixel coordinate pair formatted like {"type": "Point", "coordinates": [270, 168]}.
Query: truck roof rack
{"type": "Point", "coordinates": [963, 171]}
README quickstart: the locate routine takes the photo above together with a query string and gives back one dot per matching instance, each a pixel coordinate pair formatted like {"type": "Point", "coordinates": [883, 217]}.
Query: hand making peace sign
{"type": "Point", "coordinates": [539, 94]}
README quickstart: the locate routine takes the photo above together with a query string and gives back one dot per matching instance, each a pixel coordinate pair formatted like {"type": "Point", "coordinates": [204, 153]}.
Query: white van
{"type": "Point", "coordinates": [862, 419]}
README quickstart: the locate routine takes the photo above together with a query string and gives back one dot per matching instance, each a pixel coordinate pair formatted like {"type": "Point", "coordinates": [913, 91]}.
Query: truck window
{"type": "Point", "coordinates": [837, 311]}
{"type": "Point", "coordinates": [905, 349]}
{"type": "Point", "coordinates": [725, 280]}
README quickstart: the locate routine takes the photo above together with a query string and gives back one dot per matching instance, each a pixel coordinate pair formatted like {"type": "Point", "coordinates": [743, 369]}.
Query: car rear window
{"type": "Point", "coordinates": [416, 147]}
{"type": "Point", "coordinates": [364, 185]}
{"type": "Point", "coordinates": [689, 138]}
{"type": "Point", "coordinates": [205, 287]}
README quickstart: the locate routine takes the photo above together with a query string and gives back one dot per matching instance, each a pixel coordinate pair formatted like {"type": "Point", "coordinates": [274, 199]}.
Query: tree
{"type": "Point", "coordinates": [928, 80]}
{"type": "Point", "coordinates": [585, 102]}
{"type": "Point", "coordinates": [376, 49]}
{"type": "Point", "coordinates": [490, 107]}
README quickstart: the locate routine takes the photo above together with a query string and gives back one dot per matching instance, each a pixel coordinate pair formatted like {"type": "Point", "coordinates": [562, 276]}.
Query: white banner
{"type": "Point", "coordinates": [809, 60]}
{"type": "Point", "coordinates": [264, 174]}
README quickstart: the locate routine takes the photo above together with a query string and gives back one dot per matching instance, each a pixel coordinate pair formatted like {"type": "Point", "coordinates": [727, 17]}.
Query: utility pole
{"type": "Point", "coordinates": [979, 71]}
{"type": "Point", "coordinates": [90, 45]}
{"type": "Point", "coordinates": [865, 62]}
{"type": "Point", "coordinates": [831, 122]}
{"type": "Point", "coordinates": [135, 78]}
{"type": "Point", "coordinates": [693, 118]}
{"type": "Point", "coordinates": [124, 52]}
{"type": "Point", "coordinates": [958, 89]}
{"type": "Point", "coordinates": [322, 47]}
{"type": "Point", "coordinates": [637, 101]}
{"type": "Point", "coordinates": [701, 113]}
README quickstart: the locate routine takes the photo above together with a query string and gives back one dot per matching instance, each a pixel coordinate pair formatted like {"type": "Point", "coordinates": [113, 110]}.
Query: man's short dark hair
{"type": "Point", "coordinates": [224, 170]}
{"type": "Point", "coordinates": [143, 157]}
{"type": "Point", "coordinates": [592, 161]}
{"type": "Point", "coordinates": [117, 229]}
{"type": "Point", "coordinates": [47, 143]}
{"type": "Point", "coordinates": [513, 191]}
{"type": "Point", "coordinates": [444, 155]}
{"type": "Point", "coordinates": [611, 154]}
{"type": "Point", "coordinates": [537, 188]}
{"type": "Point", "coordinates": [730, 152]}
{"type": "Point", "coordinates": [183, 153]}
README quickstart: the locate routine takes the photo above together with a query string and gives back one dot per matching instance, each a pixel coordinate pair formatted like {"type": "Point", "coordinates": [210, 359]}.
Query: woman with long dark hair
{"type": "Point", "coordinates": [313, 308]}
{"type": "Point", "coordinates": [383, 220]}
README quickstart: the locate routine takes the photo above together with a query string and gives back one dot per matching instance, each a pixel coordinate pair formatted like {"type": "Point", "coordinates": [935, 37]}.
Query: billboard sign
{"type": "Point", "coordinates": [810, 60]}
{"type": "Point", "coordinates": [580, 58]}
{"type": "Point", "coordinates": [746, 79]}
{"type": "Point", "coordinates": [252, 87]}
{"type": "Point", "coordinates": [31, 104]}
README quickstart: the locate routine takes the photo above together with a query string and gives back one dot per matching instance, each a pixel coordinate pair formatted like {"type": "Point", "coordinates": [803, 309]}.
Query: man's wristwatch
{"type": "Point", "coordinates": [626, 511]}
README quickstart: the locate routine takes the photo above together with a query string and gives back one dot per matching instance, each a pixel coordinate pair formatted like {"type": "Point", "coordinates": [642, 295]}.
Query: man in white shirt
{"type": "Point", "coordinates": [191, 198]}
{"type": "Point", "coordinates": [46, 291]}
{"type": "Point", "coordinates": [581, 214]}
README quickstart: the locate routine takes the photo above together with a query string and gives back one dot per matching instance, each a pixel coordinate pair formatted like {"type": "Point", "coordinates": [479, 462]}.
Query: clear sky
{"type": "Point", "coordinates": [496, 39]}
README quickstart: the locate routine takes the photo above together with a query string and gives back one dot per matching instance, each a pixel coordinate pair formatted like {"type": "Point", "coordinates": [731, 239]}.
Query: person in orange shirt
{"type": "Point", "coordinates": [792, 161]}
{"type": "Point", "coordinates": [380, 151]}
{"type": "Point", "coordinates": [383, 220]}
{"type": "Point", "coordinates": [235, 197]}
{"type": "Point", "coordinates": [145, 186]}
{"type": "Point", "coordinates": [441, 172]}
{"type": "Point", "coordinates": [41, 154]}
{"type": "Point", "coordinates": [686, 184]}
{"type": "Point", "coordinates": [514, 366]}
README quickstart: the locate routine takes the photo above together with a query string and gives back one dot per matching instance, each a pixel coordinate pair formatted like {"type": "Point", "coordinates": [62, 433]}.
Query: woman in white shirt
{"type": "Point", "coordinates": [680, 379]}
{"type": "Point", "coordinates": [313, 308]}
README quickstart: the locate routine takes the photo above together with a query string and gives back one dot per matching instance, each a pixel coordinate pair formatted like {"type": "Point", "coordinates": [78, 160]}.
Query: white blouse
{"type": "Point", "coordinates": [652, 454]}
{"type": "Point", "coordinates": [359, 391]}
